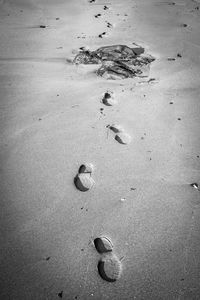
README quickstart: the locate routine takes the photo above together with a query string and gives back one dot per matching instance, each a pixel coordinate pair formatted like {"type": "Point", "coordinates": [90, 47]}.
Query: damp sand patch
{"type": "Point", "coordinates": [117, 61]}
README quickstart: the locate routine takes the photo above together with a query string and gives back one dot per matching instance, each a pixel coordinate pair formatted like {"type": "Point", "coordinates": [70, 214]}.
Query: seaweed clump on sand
{"type": "Point", "coordinates": [117, 61]}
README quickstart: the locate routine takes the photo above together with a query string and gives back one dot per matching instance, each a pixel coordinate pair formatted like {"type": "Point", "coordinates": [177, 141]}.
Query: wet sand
{"type": "Point", "coordinates": [53, 120]}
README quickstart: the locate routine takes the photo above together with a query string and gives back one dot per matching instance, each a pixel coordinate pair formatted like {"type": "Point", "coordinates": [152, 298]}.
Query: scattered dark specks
{"type": "Point", "coordinates": [42, 26]}
{"type": "Point", "coordinates": [60, 294]}
{"type": "Point", "coordinates": [171, 58]}
{"type": "Point", "coordinates": [171, 102]}
{"type": "Point", "coordinates": [195, 185]}
{"type": "Point", "coordinates": [179, 55]}
{"type": "Point", "coordinates": [179, 119]}
{"type": "Point", "coordinates": [48, 258]}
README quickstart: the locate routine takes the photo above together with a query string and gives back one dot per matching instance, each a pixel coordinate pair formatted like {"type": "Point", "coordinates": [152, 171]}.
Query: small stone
{"type": "Point", "coordinates": [195, 185]}
{"type": "Point", "coordinates": [123, 199]}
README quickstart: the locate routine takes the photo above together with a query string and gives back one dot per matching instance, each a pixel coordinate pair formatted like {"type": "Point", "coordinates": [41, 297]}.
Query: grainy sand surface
{"type": "Point", "coordinates": [52, 122]}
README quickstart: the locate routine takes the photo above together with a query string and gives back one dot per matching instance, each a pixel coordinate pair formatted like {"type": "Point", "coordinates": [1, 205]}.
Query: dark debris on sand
{"type": "Point", "coordinates": [60, 294]}
{"type": "Point", "coordinates": [117, 61]}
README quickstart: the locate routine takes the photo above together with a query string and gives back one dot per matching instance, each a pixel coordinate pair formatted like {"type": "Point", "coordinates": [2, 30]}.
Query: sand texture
{"type": "Point", "coordinates": [100, 149]}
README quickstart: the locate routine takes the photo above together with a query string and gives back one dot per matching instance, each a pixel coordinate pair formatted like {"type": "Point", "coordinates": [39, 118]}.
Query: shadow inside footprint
{"type": "Point", "coordinates": [86, 168]}
{"type": "Point", "coordinates": [116, 128]}
{"type": "Point", "coordinates": [123, 138]}
{"type": "Point", "coordinates": [83, 182]}
{"type": "Point", "coordinates": [109, 268]}
{"type": "Point", "coordinates": [103, 244]}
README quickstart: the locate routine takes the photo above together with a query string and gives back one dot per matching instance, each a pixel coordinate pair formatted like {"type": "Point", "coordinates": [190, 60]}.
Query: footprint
{"type": "Point", "coordinates": [103, 244]}
{"type": "Point", "coordinates": [83, 180]}
{"type": "Point", "coordinates": [109, 25]}
{"type": "Point", "coordinates": [101, 35]}
{"type": "Point", "coordinates": [108, 99]}
{"type": "Point", "coordinates": [123, 138]}
{"type": "Point", "coordinates": [110, 268]}
{"type": "Point", "coordinates": [115, 128]}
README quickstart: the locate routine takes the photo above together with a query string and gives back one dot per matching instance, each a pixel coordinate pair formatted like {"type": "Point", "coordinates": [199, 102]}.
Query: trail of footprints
{"type": "Point", "coordinates": [120, 134]}
{"type": "Point", "coordinates": [109, 265]}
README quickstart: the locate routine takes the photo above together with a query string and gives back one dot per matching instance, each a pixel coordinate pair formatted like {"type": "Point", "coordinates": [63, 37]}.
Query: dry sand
{"type": "Point", "coordinates": [51, 123]}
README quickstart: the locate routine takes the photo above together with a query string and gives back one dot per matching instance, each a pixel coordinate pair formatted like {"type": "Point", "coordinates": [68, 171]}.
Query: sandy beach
{"type": "Point", "coordinates": [100, 177]}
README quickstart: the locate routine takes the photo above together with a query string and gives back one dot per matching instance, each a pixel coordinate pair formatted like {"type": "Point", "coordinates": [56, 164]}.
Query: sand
{"type": "Point", "coordinates": [53, 121]}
